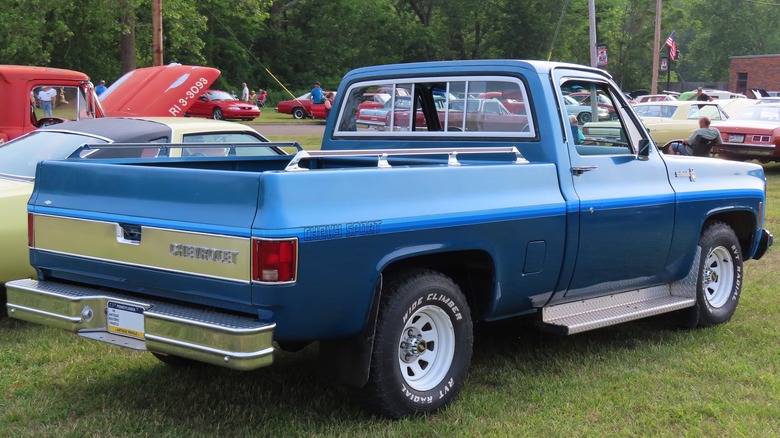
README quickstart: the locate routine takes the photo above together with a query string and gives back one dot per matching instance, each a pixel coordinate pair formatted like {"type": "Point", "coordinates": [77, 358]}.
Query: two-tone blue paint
{"type": "Point", "coordinates": [540, 232]}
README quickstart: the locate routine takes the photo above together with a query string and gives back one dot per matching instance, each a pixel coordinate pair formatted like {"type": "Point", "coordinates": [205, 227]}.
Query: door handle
{"type": "Point", "coordinates": [579, 170]}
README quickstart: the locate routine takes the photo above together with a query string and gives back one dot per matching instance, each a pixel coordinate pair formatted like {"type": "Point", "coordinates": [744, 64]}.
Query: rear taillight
{"type": "Point", "coordinates": [274, 261]}
{"type": "Point", "coordinates": [30, 230]}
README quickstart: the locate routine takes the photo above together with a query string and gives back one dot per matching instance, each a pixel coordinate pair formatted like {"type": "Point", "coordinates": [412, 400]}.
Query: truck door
{"type": "Point", "coordinates": [626, 202]}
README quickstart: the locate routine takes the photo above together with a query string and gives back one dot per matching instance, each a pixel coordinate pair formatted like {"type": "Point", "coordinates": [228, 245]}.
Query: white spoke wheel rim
{"type": "Point", "coordinates": [718, 280]}
{"type": "Point", "coordinates": [426, 348]}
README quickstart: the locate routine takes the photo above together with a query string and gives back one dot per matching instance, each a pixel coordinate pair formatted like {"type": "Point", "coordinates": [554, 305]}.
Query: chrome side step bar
{"type": "Point", "coordinates": [599, 312]}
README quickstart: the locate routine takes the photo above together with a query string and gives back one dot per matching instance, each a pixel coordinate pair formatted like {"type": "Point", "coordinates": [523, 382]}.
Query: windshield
{"type": "Point", "coordinates": [219, 95]}
{"type": "Point", "coordinates": [19, 157]}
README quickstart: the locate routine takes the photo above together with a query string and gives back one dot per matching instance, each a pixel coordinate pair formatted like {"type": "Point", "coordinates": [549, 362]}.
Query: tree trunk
{"type": "Point", "coordinates": [127, 37]}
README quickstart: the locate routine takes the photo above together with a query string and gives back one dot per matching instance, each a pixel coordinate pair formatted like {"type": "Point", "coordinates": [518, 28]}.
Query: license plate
{"type": "Point", "coordinates": [737, 138]}
{"type": "Point", "coordinates": [125, 319]}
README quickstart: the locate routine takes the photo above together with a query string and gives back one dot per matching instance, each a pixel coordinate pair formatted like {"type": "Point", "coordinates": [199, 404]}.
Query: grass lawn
{"type": "Point", "coordinates": [645, 378]}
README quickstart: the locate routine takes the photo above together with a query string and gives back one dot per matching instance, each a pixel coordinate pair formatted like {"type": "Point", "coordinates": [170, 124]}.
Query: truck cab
{"type": "Point", "coordinates": [41, 96]}
{"type": "Point", "coordinates": [72, 98]}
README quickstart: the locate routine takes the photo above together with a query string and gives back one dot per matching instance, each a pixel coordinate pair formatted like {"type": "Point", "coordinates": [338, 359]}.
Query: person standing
{"type": "Point", "coordinates": [244, 92]}
{"type": "Point", "coordinates": [702, 96]}
{"type": "Point", "coordinates": [316, 93]}
{"type": "Point", "coordinates": [101, 88]}
{"type": "Point", "coordinates": [329, 103]}
{"type": "Point", "coordinates": [47, 95]}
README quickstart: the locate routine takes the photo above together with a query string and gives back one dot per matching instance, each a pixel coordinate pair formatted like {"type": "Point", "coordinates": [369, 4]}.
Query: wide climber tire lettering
{"type": "Point", "coordinates": [422, 345]}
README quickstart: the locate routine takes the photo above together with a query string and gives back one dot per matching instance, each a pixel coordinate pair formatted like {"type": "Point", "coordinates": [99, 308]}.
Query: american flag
{"type": "Point", "coordinates": [672, 47]}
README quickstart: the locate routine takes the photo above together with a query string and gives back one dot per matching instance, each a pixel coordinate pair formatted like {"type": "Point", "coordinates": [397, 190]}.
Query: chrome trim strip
{"type": "Point", "coordinates": [261, 353]}
{"type": "Point", "coordinates": [197, 274]}
{"type": "Point", "coordinates": [12, 308]}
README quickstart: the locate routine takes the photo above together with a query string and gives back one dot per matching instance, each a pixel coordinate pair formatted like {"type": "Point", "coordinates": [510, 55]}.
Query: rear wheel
{"type": "Point", "coordinates": [298, 113]}
{"type": "Point", "coordinates": [584, 117]}
{"type": "Point", "coordinates": [217, 114]}
{"type": "Point", "coordinates": [422, 345]}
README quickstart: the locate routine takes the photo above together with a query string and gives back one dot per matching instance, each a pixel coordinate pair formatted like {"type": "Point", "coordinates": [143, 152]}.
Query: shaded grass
{"type": "Point", "coordinates": [636, 379]}
{"type": "Point", "coordinates": [307, 141]}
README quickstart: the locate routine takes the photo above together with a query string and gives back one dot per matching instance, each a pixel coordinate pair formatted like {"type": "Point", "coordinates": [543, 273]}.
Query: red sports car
{"type": "Point", "coordinates": [300, 107]}
{"type": "Point", "coordinates": [220, 105]}
{"type": "Point", "coordinates": [753, 133]}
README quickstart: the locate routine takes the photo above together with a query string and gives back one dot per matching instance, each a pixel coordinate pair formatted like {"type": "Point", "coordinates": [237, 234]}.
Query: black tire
{"type": "Point", "coordinates": [584, 117]}
{"type": "Point", "coordinates": [177, 361]}
{"type": "Point", "coordinates": [217, 114]}
{"type": "Point", "coordinates": [422, 345]}
{"type": "Point", "coordinates": [720, 276]}
{"type": "Point", "coordinates": [298, 113]}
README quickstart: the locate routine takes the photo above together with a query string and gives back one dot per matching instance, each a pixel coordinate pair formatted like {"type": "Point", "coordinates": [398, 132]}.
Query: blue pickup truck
{"type": "Point", "coordinates": [477, 202]}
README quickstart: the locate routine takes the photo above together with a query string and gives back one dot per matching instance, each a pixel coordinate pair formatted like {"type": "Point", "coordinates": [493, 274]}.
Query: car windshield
{"type": "Point", "coordinates": [220, 95]}
{"type": "Point", "coordinates": [19, 157]}
{"type": "Point", "coordinates": [763, 113]}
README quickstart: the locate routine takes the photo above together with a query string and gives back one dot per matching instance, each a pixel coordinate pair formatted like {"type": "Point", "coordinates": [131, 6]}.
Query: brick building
{"type": "Point", "coordinates": [754, 71]}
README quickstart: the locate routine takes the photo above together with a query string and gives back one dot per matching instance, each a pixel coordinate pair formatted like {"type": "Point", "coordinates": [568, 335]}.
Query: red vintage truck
{"type": "Point", "coordinates": [152, 91]}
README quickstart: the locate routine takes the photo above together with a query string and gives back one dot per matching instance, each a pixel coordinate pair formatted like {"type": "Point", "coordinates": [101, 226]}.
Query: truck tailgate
{"type": "Point", "coordinates": [139, 227]}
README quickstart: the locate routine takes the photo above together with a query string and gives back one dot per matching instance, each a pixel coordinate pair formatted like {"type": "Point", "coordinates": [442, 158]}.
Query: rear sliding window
{"type": "Point", "coordinates": [450, 106]}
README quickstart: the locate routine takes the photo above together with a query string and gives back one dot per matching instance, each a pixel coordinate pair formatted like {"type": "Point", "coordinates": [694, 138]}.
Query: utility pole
{"type": "Point", "coordinates": [157, 34]}
{"type": "Point", "coordinates": [592, 22]}
{"type": "Point", "coordinates": [656, 47]}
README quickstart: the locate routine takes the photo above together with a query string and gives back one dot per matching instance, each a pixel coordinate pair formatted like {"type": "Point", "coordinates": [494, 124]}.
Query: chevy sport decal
{"type": "Point", "coordinates": [337, 231]}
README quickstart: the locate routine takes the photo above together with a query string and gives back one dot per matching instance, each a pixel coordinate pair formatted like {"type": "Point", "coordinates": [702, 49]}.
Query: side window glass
{"type": "Point", "coordinates": [595, 128]}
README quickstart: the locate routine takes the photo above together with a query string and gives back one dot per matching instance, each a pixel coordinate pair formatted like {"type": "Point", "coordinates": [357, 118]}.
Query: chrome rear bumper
{"type": "Point", "coordinates": [221, 339]}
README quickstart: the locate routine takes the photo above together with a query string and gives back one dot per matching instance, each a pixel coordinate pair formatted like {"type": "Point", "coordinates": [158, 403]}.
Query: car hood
{"type": "Point", "coordinates": [157, 91]}
{"type": "Point", "coordinates": [656, 120]}
{"type": "Point", "coordinates": [232, 102]}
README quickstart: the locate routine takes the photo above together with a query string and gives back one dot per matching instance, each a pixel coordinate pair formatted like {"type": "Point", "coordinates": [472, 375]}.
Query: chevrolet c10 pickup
{"type": "Point", "coordinates": [389, 243]}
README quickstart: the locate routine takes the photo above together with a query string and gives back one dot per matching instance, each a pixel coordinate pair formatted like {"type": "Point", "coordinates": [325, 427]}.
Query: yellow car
{"type": "Point", "coordinates": [667, 121]}
{"type": "Point", "coordinates": [674, 121]}
{"type": "Point", "coordinates": [19, 157]}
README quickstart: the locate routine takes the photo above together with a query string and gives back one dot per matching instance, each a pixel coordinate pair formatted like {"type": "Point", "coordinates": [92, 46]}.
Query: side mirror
{"type": "Point", "coordinates": [644, 150]}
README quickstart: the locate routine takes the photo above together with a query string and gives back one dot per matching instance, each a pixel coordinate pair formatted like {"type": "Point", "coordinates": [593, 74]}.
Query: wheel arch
{"type": "Point", "coordinates": [473, 270]}
{"type": "Point", "coordinates": [744, 224]}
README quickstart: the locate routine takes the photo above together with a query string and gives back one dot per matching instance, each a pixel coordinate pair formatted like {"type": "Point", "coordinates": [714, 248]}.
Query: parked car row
{"type": "Point", "coordinates": [750, 129]}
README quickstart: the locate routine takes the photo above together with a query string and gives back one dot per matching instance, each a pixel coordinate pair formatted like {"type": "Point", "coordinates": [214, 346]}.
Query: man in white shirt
{"type": "Point", "coordinates": [245, 93]}
{"type": "Point", "coordinates": [48, 96]}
